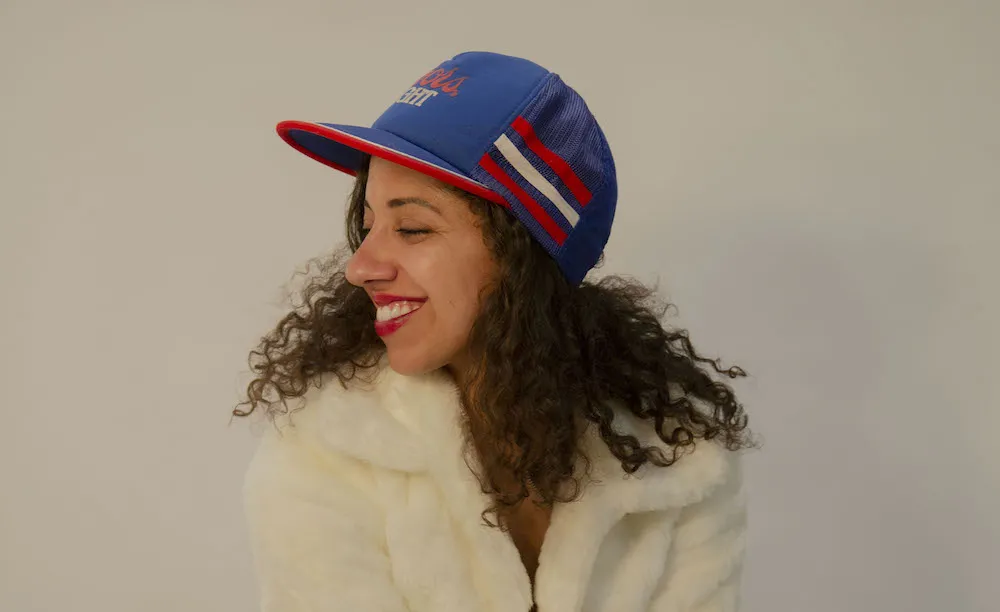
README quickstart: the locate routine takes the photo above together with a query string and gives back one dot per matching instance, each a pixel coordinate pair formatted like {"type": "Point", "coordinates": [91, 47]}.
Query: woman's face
{"type": "Point", "coordinates": [424, 263]}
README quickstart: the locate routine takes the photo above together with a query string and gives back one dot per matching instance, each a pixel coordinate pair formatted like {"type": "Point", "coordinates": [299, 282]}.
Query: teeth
{"type": "Point", "coordinates": [396, 310]}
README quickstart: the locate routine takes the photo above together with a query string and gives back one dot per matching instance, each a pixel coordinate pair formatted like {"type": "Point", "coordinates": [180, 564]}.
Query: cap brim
{"type": "Point", "coordinates": [342, 147]}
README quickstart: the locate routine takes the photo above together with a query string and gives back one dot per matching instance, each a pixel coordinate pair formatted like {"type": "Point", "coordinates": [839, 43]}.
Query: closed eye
{"type": "Point", "coordinates": [404, 231]}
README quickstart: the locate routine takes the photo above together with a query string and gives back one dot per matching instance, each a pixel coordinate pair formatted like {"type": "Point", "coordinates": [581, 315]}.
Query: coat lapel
{"type": "Point", "coordinates": [431, 404]}
{"type": "Point", "coordinates": [579, 529]}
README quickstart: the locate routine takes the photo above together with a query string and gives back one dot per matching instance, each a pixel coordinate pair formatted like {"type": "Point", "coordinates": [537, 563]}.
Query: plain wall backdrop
{"type": "Point", "coordinates": [813, 184]}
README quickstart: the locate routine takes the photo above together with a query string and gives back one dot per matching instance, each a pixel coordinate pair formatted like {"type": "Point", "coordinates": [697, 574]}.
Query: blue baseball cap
{"type": "Point", "coordinates": [502, 128]}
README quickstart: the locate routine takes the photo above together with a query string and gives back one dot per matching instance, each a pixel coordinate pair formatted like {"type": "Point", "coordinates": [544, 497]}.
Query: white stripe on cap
{"type": "Point", "coordinates": [520, 163]}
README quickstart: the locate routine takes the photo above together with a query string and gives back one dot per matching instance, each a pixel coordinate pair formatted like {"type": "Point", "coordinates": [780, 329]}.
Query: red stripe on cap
{"type": "Point", "coordinates": [558, 164]}
{"type": "Point", "coordinates": [527, 201]}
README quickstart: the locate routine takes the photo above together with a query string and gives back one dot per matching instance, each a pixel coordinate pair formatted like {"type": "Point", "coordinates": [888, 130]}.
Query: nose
{"type": "Point", "coordinates": [371, 262]}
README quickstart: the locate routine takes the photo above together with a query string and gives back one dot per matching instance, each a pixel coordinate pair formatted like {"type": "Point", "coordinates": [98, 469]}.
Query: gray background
{"type": "Point", "coordinates": [814, 184]}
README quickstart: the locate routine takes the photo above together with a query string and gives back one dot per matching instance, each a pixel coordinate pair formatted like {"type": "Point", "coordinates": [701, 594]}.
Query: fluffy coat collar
{"type": "Point", "coordinates": [412, 424]}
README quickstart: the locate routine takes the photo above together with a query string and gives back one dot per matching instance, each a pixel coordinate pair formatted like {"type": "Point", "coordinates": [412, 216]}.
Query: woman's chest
{"type": "Point", "coordinates": [527, 526]}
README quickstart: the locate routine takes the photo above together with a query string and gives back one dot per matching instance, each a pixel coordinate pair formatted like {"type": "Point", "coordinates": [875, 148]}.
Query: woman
{"type": "Point", "coordinates": [476, 427]}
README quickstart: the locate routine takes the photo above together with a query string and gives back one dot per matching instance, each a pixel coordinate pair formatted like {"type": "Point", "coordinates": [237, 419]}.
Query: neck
{"type": "Point", "coordinates": [461, 372]}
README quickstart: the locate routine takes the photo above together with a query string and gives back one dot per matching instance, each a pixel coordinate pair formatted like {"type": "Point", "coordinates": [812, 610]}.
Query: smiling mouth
{"type": "Point", "coordinates": [391, 317]}
{"type": "Point", "coordinates": [396, 310]}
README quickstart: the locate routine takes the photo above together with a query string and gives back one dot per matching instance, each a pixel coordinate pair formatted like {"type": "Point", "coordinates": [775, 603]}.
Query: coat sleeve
{"type": "Point", "coordinates": [316, 534]}
{"type": "Point", "coordinates": [704, 569]}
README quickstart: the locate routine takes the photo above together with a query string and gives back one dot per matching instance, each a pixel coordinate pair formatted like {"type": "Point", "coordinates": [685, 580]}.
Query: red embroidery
{"type": "Point", "coordinates": [439, 79]}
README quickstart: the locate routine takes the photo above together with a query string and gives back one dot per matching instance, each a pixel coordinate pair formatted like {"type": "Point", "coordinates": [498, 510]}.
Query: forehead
{"type": "Point", "coordinates": [389, 183]}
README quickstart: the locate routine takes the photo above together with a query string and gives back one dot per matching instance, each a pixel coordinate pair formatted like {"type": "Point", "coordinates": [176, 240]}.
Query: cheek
{"type": "Point", "coordinates": [452, 278]}
{"type": "Point", "coordinates": [474, 274]}
{"type": "Point", "coordinates": [458, 296]}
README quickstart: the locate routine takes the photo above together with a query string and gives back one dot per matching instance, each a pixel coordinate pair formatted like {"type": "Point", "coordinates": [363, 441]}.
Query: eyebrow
{"type": "Point", "coordinates": [398, 202]}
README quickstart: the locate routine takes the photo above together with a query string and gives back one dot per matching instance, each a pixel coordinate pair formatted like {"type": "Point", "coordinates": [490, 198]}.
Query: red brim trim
{"type": "Point", "coordinates": [285, 127]}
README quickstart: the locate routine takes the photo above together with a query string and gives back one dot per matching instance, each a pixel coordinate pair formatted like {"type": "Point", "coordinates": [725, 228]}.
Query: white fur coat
{"type": "Point", "coordinates": [364, 502]}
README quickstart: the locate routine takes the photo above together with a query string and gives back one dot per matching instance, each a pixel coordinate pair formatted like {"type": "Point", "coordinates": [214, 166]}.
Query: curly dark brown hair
{"type": "Point", "coordinates": [544, 354]}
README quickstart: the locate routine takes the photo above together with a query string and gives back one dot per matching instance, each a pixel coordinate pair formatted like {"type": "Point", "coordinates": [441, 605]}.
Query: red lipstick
{"type": "Point", "coordinates": [384, 299]}
{"type": "Point", "coordinates": [384, 328]}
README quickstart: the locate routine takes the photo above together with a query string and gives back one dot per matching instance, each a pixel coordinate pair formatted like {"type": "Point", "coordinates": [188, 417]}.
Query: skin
{"type": "Point", "coordinates": [423, 242]}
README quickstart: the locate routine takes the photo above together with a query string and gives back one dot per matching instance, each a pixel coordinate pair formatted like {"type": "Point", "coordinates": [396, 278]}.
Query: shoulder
{"type": "Point", "coordinates": [315, 519]}
{"type": "Point", "coordinates": [292, 465]}
{"type": "Point", "coordinates": [367, 418]}
{"type": "Point", "coordinates": [379, 420]}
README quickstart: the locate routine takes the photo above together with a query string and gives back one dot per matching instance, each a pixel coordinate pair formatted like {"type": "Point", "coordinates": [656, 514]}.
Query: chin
{"type": "Point", "coordinates": [411, 363]}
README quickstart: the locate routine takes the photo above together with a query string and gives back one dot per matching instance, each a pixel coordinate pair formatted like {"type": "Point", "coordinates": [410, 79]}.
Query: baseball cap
{"type": "Point", "coordinates": [502, 128]}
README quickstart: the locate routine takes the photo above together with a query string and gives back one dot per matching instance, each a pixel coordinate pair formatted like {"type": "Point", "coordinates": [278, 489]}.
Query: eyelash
{"type": "Point", "coordinates": [405, 232]}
